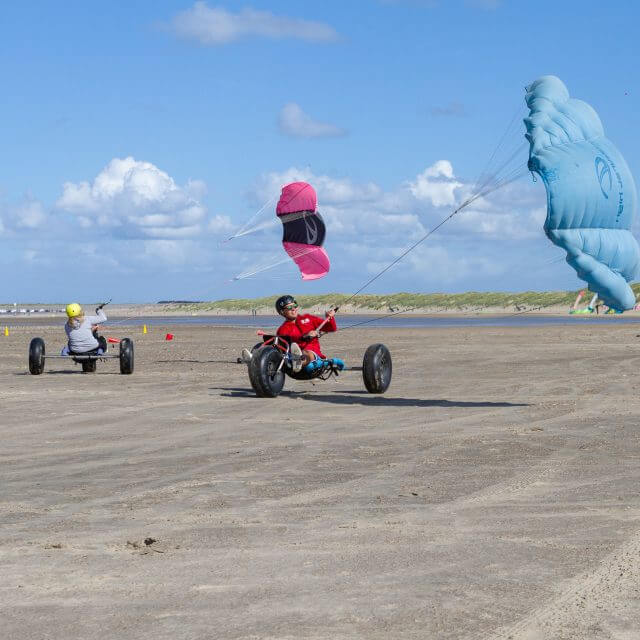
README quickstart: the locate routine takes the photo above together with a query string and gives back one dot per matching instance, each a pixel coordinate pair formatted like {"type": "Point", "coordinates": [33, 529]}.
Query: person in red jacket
{"type": "Point", "coordinates": [303, 331]}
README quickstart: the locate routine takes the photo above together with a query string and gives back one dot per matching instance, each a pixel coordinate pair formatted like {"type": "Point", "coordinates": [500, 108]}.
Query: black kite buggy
{"type": "Point", "coordinates": [271, 361]}
{"type": "Point", "coordinates": [88, 360]}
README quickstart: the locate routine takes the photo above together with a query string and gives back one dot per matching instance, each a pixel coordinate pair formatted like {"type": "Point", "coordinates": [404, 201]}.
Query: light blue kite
{"type": "Point", "coordinates": [591, 195]}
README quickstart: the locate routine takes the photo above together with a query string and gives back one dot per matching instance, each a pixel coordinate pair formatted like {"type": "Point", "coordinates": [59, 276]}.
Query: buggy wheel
{"type": "Point", "coordinates": [36, 356]}
{"type": "Point", "coordinates": [256, 347]}
{"type": "Point", "coordinates": [376, 368]}
{"type": "Point", "coordinates": [265, 373]}
{"type": "Point", "coordinates": [89, 366]}
{"type": "Point", "coordinates": [126, 356]}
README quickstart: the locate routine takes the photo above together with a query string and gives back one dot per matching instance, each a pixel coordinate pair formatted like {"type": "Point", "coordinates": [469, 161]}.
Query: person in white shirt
{"type": "Point", "coordinates": [82, 331]}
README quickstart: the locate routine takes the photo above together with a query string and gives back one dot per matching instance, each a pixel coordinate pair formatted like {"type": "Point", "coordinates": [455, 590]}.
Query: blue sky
{"type": "Point", "coordinates": [138, 135]}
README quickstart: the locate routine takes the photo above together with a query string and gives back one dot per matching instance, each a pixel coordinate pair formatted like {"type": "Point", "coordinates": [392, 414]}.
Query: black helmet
{"type": "Point", "coordinates": [283, 301]}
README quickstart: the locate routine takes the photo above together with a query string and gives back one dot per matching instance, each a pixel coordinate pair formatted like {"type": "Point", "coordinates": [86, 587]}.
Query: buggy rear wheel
{"type": "Point", "coordinates": [266, 373]}
{"type": "Point", "coordinates": [376, 368]}
{"type": "Point", "coordinates": [126, 356]}
{"type": "Point", "coordinates": [89, 366]}
{"type": "Point", "coordinates": [36, 356]}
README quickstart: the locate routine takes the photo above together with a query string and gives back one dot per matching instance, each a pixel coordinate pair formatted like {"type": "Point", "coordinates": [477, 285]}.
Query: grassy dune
{"type": "Point", "coordinates": [526, 300]}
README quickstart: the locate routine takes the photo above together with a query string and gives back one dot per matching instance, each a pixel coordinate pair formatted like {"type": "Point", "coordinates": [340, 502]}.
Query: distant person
{"type": "Point", "coordinates": [82, 331]}
{"type": "Point", "coordinates": [590, 308]}
{"type": "Point", "coordinates": [577, 301]}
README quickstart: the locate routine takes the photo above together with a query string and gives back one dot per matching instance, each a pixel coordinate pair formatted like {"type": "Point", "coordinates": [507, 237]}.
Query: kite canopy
{"type": "Point", "coordinates": [303, 229]}
{"type": "Point", "coordinates": [591, 195]}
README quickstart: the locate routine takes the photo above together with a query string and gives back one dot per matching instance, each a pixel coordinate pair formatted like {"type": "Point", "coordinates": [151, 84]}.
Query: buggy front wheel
{"type": "Point", "coordinates": [266, 372]}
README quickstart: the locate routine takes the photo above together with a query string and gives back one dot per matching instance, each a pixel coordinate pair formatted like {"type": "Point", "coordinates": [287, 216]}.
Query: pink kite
{"type": "Point", "coordinates": [303, 229]}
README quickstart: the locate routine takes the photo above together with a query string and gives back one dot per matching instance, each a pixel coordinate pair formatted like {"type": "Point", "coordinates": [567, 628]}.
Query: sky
{"type": "Point", "coordinates": [138, 136]}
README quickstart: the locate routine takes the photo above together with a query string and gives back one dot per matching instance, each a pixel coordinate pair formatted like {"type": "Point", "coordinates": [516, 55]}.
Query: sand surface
{"type": "Point", "coordinates": [493, 492]}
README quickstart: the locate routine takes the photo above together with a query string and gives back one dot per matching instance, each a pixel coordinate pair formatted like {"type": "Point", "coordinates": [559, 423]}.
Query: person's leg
{"type": "Point", "coordinates": [313, 361]}
{"type": "Point", "coordinates": [308, 356]}
{"type": "Point", "coordinates": [297, 357]}
{"type": "Point", "coordinates": [577, 302]}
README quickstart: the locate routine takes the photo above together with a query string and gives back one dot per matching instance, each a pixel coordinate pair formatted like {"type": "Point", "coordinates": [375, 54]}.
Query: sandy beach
{"type": "Point", "coordinates": [491, 493]}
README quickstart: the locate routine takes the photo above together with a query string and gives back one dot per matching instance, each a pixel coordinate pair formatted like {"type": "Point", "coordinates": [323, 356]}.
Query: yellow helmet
{"type": "Point", "coordinates": [74, 310]}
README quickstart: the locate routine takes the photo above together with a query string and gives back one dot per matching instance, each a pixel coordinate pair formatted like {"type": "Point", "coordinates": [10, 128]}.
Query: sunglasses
{"type": "Point", "coordinates": [288, 307]}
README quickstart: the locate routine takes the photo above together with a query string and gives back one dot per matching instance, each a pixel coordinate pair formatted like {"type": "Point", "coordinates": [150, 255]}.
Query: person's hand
{"type": "Point", "coordinates": [330, 313]}
{"type": "Point", "coordinates": [312, 334]}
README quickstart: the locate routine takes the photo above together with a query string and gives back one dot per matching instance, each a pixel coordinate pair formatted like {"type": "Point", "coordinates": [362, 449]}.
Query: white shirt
{"type": "Point", "coordinates": [80, 336]}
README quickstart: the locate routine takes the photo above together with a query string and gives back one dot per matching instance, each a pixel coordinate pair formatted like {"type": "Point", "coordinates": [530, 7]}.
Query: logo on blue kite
{"type": "Point", "coordinates": [603, 173]}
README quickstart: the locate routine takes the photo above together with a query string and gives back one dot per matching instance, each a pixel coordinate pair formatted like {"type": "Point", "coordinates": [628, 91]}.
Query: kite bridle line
{"type": "Point", "coordinates": [245, 230]}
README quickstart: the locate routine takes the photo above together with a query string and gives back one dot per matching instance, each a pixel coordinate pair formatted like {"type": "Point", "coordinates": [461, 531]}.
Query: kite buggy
{"type": "Point", "coordinates": [88, 360]}
{"type": "Point", "coordinates": [295, 351]}
{"type": "Point", "coordinates": [84, 345]}
{"type": "Point", "coordinates": [272, 359]}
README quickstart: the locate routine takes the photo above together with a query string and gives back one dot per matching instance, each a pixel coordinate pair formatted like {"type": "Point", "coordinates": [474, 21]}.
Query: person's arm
{"type": "Point", "coordinates": [323, 325]}
{"type": "Point", "coordinates": [330, 322]}
{"type": "Point", "coordinates": [100, 316]}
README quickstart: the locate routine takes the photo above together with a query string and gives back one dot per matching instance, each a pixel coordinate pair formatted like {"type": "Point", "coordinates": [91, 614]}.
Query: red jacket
{"type": "Point", "coordinates": [295, 329]}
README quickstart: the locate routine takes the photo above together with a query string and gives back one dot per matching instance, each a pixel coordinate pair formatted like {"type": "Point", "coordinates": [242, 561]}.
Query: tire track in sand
{"type": "Point", "coordinates": [599, 603]}
{"type": "Point", "coordinates": [515, 484]}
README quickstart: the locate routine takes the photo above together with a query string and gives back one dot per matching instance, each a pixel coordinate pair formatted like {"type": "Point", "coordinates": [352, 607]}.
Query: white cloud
{"type": "Point", "coordinates": [29, 214]}
{"type": "Point", "coordinates": [163, 228]}
{"type": "Point", "coordinates": [369, 212]}
{"type": "Point", "coordinates": [330, 190]}
{"type": "Point", "coordinates": [136, 199]}
{"type": "Point", "coordinates": [216, 26]}
{"type": "Point", "coordinates": [166, 251]}
{"type": "Point", "coordinates": [293, 121]}
{"type": "Point", "coordinates": [220, 224]}
{"type": "Point", "coordinates": [368, 227]}
{"type": "Point", "coordinates": [436, 184]}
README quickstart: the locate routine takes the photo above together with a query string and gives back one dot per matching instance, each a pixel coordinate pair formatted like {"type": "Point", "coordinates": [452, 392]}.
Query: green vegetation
{"type": "Point", "coordinates": [471, 300]}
